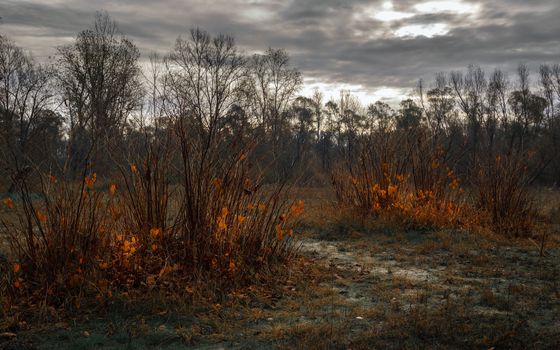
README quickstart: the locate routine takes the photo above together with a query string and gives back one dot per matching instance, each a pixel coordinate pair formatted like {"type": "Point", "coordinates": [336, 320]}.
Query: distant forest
{"type": "Point", "coordinates": [95, 106]}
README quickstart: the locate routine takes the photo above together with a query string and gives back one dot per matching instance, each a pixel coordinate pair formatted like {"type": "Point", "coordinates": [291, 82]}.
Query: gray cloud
{"type": "Point", "coordinates": [331, 41]}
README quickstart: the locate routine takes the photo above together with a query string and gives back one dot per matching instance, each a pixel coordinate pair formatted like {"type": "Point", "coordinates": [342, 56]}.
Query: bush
{"type": "Point", "coordinates": [502, 194]}
{"type": "Point", "coordinates": [60, 238]}
{"type": "Point", "coordinates": [402, 176]}
{"type": "Point", "coordinates": [229, 223]}
{"type": "Point", "coordinates": [79, 238]}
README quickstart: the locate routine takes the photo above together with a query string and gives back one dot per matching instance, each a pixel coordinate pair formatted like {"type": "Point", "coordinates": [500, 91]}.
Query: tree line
{"type": "Point", "coordinates": [98, 104]}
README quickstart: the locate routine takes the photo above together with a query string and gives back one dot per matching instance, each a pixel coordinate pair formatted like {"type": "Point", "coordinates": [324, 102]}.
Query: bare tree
{"type": "Point", "coordinates": [317, 99]}
{"type": "Point", "coordinates": [25, 100]}
{"type": "Point", "coordinates": [440, 105]}
{"type": "Point", "coordinates": [99, 80]}
{"type": "Point", "coordinates": [547, 85]}
{"type": "Point", "coordinates": [381, 116]}
{"type": "Point", "coordinates": [469, 90]}
{"type": "Point", "coordinates": [274, 86]}
{"type": "Point", "coordinates": [205, 76]}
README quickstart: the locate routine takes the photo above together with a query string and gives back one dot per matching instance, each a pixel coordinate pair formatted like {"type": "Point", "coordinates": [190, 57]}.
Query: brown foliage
{"type": "Point", "coordinates": [403, 176]}
{"type": "Point", "coordinates": [58, 239]}
{"type": "Point", "coordinates": [502, 194]}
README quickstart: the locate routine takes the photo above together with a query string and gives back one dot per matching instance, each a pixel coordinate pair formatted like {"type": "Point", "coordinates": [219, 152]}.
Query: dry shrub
{"type": "Point", "coordinates": [502, 194]}
{"type": "Point", "coordinates": [224, 226]}
{"type": "Point", "coordinates": [59, 238]}
{"type": "Point", "coordinates": [141, 211]}
{"type": "Point", "coordinates": [431, 164]}
{"type": "Point", "coordinates": [217, 223]}
{"type": "Point", "coordinates": [229, 224]}
{"type": "Point", "coordinates": [147, 191]}
{"type": "Point", "coordinates": [402, 177]}
{"type": "Point", "coordinates": [408, 180]}
{"type": "Point", "coordinates": [73, 241]}
{"type": "Point", "coordinates": [371, 183]}
{"type": "Point", "coordinates": [437, 199]}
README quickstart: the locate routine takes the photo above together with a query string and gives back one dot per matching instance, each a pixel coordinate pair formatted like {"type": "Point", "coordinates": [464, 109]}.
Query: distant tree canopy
{"type": "Point", "coordinates": [97, 101]}
{"type": "Point", "coordinates": [30, 128]}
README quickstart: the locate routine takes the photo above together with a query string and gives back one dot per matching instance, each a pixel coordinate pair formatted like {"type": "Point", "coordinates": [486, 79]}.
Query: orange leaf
{"type": "Point", "coordinates": [41, 216]}
{"type": "Point", "coordinates": [435, 164]}
{"type": "Point", "coordinates": [225, 212]}
{"type": "Point", "coordinates": [90, 180]}
{"type": "Point", "coordinates": [297, 208]}
{"type": "Point", "coordinates": [112, 189]}
{"type": "Point", "coordinates": [8, 202]}
{"type": "Point", "coordinates": [16, 268]}
{"type": "Point", "coordinates": [221, 221]}
{"type": "Point", "coordinates": [222, 225]}
{"type": "Point", "coordinates": [392, 190]}
{"type": "Point", "coordinates": [279, 232]}
{"type": "Point", "coordinates": [165, 270]}
{"type": "Point", "coordinates": [155, 232]}
{"type": "Point", "coordinates": [217, 183]}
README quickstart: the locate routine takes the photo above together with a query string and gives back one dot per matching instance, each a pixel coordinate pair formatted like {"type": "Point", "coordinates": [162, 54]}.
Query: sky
{"type": "Point", "coordinates": [375, 49]}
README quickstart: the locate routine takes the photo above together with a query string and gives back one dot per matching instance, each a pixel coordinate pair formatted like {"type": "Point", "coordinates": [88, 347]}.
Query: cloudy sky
{"type": "Point", "coordinates": [377, 49]}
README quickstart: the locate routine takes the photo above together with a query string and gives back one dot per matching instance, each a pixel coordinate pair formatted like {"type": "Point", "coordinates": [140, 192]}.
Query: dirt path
{"type": "Point", "coordinates": [445, 290]}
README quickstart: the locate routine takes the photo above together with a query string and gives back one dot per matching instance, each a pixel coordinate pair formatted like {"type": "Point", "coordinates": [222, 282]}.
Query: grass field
{"type": "Point", "coordinates": [355, 285]}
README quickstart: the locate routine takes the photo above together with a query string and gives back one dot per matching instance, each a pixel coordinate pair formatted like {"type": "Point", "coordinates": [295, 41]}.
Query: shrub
{"type": "Point", "coordinates": [60, 237]}
{"type": "Point", "coordinates": [229, 224]}
{"type": "Point", "coordinates": [402, 176]}
{"type": "Point", "coordinates": [373, 181]}
{"type": "Point", "coordinates": [501, 184]}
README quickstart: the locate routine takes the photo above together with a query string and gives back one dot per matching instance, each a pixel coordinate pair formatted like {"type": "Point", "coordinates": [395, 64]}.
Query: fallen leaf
{"type": "Point", "coordinates": [8, 335]}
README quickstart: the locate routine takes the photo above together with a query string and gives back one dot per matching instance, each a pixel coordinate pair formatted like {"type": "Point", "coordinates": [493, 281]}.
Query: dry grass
{"type": "Point", "coordinates": [445, 289]}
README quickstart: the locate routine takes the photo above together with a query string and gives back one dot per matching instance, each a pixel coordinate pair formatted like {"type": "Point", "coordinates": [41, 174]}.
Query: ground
{"type": "Point", "coordinates": [352, 287]}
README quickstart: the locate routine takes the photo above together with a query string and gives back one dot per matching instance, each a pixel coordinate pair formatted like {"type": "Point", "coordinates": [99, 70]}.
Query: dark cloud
{"type": "Point", "coordinates": [371, 44]}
